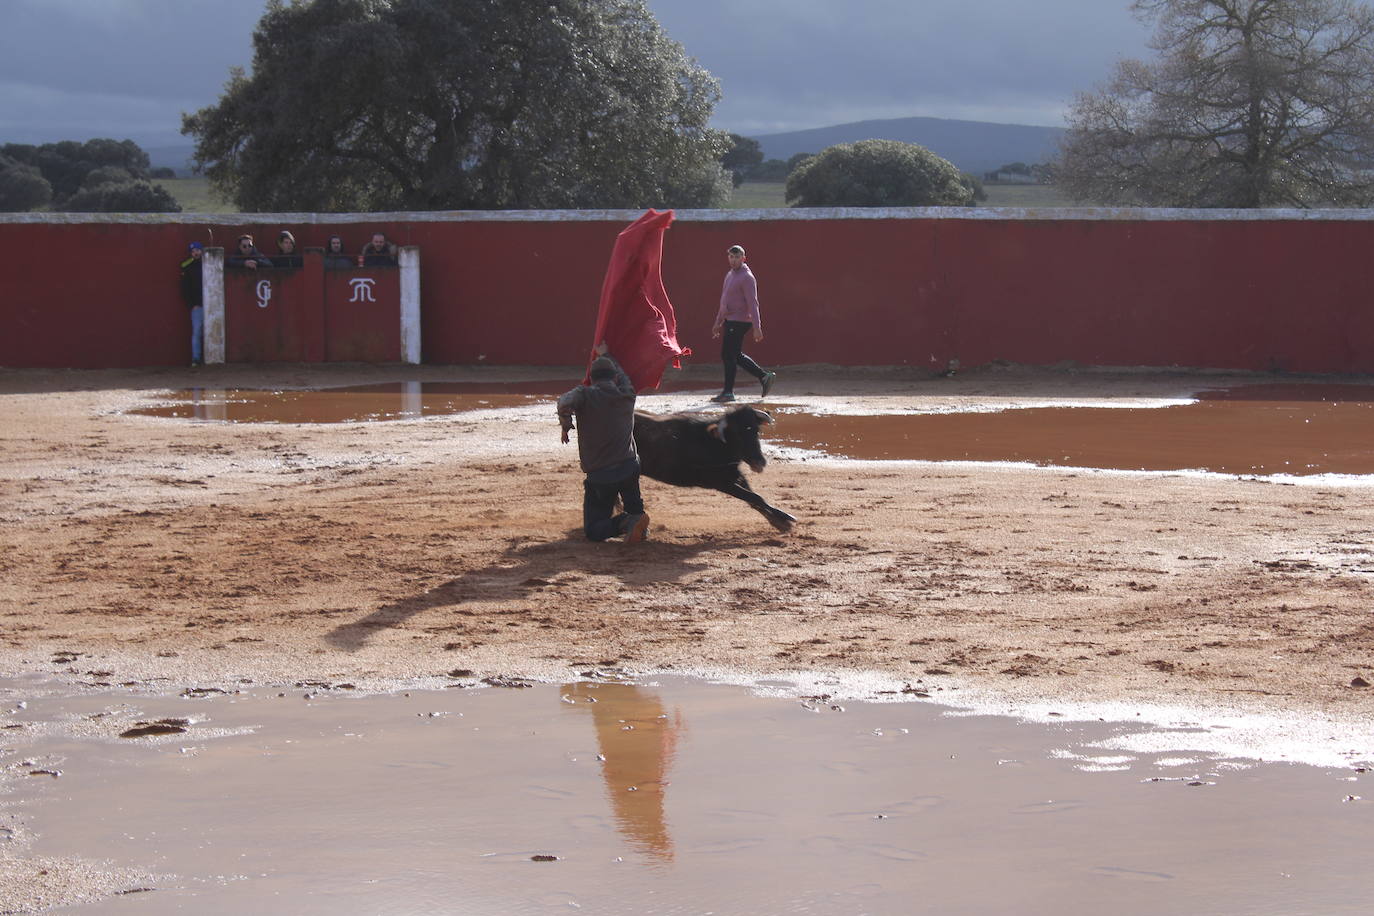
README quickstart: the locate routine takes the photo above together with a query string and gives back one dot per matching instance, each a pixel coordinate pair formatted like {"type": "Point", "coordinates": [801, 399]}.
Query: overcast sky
{"type": "Point", "coordinates": [73, 69]}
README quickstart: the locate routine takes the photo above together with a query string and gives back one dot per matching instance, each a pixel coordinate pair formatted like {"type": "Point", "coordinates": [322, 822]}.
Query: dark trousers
{"type": "Point", "coordinates": [732, 353]}
{"type": "Point", "coordinates": [598, 506]}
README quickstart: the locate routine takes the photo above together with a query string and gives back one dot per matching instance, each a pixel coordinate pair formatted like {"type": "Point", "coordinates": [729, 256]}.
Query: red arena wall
{"type": "Point", "coordinates": [1260, 290]}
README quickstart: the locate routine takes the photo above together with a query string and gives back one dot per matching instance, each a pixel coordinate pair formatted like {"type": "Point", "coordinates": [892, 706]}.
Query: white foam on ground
{"type": "Point", "coordinates": [1149, 728]}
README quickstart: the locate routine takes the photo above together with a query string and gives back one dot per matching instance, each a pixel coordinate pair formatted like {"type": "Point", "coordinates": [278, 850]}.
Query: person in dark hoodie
{"type": "Point", "coordinates": [245, 255]}
{"type": "Point", "coordinates": [192, 293]}
{"type": "Point", "coordinates": [334, 254]}
{"type": "Point", "coordinates": [605, 419]}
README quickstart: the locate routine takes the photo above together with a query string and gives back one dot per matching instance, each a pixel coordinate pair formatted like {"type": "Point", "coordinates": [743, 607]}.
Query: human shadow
{"type": "Point", "coordinates": [526, 565]}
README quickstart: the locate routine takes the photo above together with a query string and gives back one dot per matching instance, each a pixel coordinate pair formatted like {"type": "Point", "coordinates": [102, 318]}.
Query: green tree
{"type": "Point", "coordinates": [22, 187]}
{"type": "Point", "coordinates": [105, 174]}
{"type": "Point", "coordinates": [742, 158]}
{"type": "Point", "coordinates": [66, 164]}
{"type": "Point", "coordinates": [974, 185]}
{"type": "Point", "coordinates": [877, 173]}
{"type": "Point", "coordinates": [1250, 103]}
{"type": "Point", "coordinates": [769, 170]}
{"type": "Point", "coordinates": [434, 104]}
{"type": "Point", "coordinates": [139, 196]}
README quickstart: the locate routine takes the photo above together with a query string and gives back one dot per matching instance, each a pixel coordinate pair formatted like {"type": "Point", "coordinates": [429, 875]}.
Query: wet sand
{"type": "Point", "coordinates": [169, 554]}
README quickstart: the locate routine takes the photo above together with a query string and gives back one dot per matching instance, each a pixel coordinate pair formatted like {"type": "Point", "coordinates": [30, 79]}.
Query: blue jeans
{"type": "Point", "coordinates": [198, 334]}
{"type": "Point", "coordinates": [598, 502]}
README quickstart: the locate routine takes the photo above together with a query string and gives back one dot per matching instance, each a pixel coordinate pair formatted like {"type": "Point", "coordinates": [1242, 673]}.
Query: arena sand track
{"type": "Point", "coordinates": [200, 554]}
{"type": "Point", "coordinates": [167, 554]}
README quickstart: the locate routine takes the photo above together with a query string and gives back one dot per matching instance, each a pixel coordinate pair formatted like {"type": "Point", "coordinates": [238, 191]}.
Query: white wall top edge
{"type": "Point", "coordinates": [1011, 214]}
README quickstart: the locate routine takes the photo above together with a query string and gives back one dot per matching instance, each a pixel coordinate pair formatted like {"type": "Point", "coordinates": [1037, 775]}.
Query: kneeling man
{"type": "Point", "coordinates": [605, 414]}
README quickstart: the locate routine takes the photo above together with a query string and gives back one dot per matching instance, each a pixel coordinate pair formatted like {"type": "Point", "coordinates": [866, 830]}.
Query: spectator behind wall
{"type": "Point", "coordinates": [379, 252]}
{"type": "Point", "coordinates": [245, 255]}
{"type": "Point", "coordinates": [286, 251]}
{"type": "Point", "coordinates": [335, 255]}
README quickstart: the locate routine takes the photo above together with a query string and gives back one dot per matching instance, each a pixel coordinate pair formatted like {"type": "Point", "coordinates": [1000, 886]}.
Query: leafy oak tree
{"type": "Point", "coordinates": [877, 173]}
{"type": "Point", "coordinates": [1250, 103]}
{"type": "Point", "coordinates": [742, 158]}
{"type": "Point", "coordinates": [22, 187]}
{"type": "Point", "coordinates": [482, 104]}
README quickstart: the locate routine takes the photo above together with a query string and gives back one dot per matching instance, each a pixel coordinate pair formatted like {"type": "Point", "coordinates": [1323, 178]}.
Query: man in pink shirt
{"type": "Point", "coordinates": [739, 311]}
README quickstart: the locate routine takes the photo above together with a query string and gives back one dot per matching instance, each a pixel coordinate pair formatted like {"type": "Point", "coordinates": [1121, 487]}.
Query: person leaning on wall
{"type": "Point", "coordinates": [246, 255]}
{"type": "Point", "coordinates": [192, 293]}
{"type": "Point", "coordinates": [335, 255]}
{"type": "Point", "coordinates": [286, 251]}
{"type": "Point", "coordinates": [379, 252]}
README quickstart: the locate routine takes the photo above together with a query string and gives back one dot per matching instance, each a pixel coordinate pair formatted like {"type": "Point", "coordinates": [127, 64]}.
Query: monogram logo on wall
{"type": "Point", "coordinates": [264, 293]}
{"type": "Point", "coordinates": [362, 289]}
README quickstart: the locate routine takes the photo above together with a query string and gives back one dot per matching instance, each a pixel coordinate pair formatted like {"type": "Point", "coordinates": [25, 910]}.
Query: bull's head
{"type": "Point", "coordinates": [739, 429]}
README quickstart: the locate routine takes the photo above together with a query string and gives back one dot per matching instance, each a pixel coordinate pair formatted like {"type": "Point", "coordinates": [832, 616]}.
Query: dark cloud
{"type": "Point", "coordinates": [75, 68]}
{"type": "Point", "coordinates": [787, 64]}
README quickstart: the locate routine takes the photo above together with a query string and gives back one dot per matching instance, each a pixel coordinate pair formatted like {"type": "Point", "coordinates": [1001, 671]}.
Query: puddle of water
{"type": "Point", "coordinates": [1294, 429]}
{"type": "Point", "coordinates": [1261, 430]}
{"type": "Point", "coordinates": [677, 797]}
{"type": "Point", "coordinates": [391, 401]}
{"type": "Point", "coordinates": [360, 403]}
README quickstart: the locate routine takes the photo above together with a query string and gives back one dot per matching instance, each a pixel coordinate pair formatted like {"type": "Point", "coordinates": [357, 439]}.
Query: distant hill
{"type": "Point", "coordinates": [973, 146]}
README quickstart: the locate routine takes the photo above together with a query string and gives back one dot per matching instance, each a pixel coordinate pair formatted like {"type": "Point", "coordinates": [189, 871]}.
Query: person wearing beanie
{"type": "Point", "coordinates": [192, 286]}
{"type": "Point", "coordinates": [603, 413]}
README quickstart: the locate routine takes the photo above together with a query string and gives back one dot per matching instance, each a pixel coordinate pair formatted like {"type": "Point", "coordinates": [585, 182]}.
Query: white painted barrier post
{"type": "Point", "coordinates": [410, 304]}
{"type": "Point", "coordinates": [212, 298]}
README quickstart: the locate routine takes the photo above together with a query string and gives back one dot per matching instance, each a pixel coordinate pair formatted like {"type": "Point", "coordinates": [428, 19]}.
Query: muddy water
{"type": "Point", "coordinates": [1297, 429]}
{"type": "Point", "coordinates": [358, 403]}
{"type": "Point", "coordinates": [675, 797]}
{"type": "Point", "coordinates": [1262, 430]}
{"type": "Point", "coordinates": [393, 401]}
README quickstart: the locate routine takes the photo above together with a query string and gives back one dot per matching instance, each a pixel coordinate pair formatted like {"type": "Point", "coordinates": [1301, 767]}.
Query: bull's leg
{"type": "Point", "coordinates": [740, 489]}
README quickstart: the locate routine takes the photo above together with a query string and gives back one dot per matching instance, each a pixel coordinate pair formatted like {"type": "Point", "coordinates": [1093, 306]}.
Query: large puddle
{"type": "Point", "coordinates": [1291, 429]}
{"type": "Point", "coordinates": [671, 797]}
{"type": "Point", "coordinates": [1262, 430]}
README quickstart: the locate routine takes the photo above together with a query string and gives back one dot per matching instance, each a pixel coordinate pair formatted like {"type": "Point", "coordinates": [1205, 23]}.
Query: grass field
{"type": "Point", "coordinates": [769, 194]}
{"type": "Point", "coordinates": [195, 196]}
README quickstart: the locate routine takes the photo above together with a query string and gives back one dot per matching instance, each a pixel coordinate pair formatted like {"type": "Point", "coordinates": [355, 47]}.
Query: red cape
{"type": "Point", "coordinates": [636, 319]}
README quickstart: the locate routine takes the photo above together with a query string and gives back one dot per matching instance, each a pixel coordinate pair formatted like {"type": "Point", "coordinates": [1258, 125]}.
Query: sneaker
{"type": "Point", "coordinates": [723, 398]}
{"type": "Point", "coordinates": [636, 528]}
{"type": "Point", "coordinates": [767, 382]}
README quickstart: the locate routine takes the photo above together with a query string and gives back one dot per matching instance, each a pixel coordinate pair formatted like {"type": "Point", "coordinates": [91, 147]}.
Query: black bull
{"type": "Point", "coordinates": [688, 450]}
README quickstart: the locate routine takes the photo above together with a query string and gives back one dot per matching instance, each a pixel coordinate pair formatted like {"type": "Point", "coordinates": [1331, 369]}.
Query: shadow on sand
{"type": "Point", "coordinates": [527, 565]}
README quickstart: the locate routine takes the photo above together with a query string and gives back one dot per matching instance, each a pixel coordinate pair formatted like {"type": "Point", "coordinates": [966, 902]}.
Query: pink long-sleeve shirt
{"type": "Point", "coordinates": [739, 298]}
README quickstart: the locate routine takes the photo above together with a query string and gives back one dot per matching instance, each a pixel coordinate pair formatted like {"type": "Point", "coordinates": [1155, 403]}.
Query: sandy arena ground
{"type": "Point", "coordinates": [177, 554]}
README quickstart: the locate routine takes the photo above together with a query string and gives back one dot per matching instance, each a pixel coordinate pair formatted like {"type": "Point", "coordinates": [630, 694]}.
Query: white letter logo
{"type": "Point", "coordinates": [362, 289]}
{"type": "Point", "coordinates": [264, 293]}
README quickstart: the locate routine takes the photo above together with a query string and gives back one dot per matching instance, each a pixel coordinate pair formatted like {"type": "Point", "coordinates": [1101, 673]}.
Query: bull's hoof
{"type": "Point", "coordinates": [782, 521]}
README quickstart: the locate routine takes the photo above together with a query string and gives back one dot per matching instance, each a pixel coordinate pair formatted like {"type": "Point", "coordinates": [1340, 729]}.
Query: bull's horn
{"type": "Point", "coordinates": [767, 417]}
{"type": "Point", "coordinates": [717, 429]}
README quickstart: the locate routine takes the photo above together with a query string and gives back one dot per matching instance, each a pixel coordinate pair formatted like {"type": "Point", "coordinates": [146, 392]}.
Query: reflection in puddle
{"type": "Point", "coordinates": [1264, 430]}
{"type": "Point", "coordinates": [637, 740]}
{"type": "Point", "coordinates": [493, 801]}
